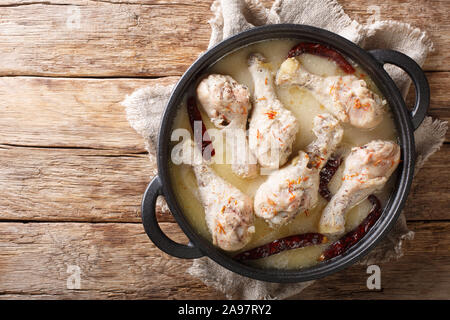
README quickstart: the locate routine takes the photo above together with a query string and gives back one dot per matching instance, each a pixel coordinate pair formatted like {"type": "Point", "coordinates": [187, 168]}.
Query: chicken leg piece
{"type": "Point", "coordinates": [228, 211]}
{"type": "Point", "coordinates": [272, 127]}
{"type": "Point", "coordinates": [329, 134]}
{"type": "Point", "coordinates": [347, 97]}
{"type": "Point", "coordinates": [367, 169]}
{"type": "Point", "coordinates": [227, 104]}
{"type": "Point", "coordinates": [295, 188]}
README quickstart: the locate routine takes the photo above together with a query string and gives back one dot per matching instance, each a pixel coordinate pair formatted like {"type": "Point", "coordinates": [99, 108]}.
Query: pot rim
{"type": "Point", "coordinates": [403, 121]}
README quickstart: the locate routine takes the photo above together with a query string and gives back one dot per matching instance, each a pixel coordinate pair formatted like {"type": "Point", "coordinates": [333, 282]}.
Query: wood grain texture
{"type": "Point", "coordinates": [48, 184]}
{"type": "Point", "coordinates": [86, 113]}
{"type": "Point", "coordinates": [102, 39]}
{"type": "Point", "coordinates": [429, 198]}
{"type": "Point", "coordinates": [430, 16]}
{"type": "Point", "coordinates": [440, 101]}
{"type": "Point", "coordinates": [95, 185]}
{"type": "Point", "coordinates": [81, 113]}
{"type": "Point", "coordinates": [118, 262]}
{"type": "Point", "coordinates": [74, 171]}
{"type": "Point", "coordinates": [153, 38]}
{"type": "Point", "coordinates": [422, 273]}
{"type": "Point", "coordinates": [72, 185]}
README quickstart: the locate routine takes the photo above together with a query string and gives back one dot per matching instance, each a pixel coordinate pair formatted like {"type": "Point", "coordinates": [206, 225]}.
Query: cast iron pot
{"type": "Point", "coordinates": [406, 122]}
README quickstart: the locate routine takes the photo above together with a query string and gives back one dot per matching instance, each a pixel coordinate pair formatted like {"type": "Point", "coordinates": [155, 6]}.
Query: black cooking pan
{"type": "Point", "coordinates": [406, 122]}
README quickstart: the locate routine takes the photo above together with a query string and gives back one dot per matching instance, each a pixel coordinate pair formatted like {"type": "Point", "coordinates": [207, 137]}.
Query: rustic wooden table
{"type": "Point", "coordinates": [73, 171]}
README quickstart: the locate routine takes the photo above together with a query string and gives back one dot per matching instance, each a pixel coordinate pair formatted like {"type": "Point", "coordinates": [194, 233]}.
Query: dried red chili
{"type": "Point", "coordinates": [323, 51]}
{"type": "Point", "coordinates": [195, 115]}
{"type": "Point", "coordinates": [351, 238]}
{"type": "Point", "coordinates": [326, 174]}
{"type": "Point", "coordinates": [287, 243]}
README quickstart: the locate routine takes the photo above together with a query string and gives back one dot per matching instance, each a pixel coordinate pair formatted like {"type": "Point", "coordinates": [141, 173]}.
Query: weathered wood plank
{"type": "Point", "coordinates": [429, 198]}
{"type": "Point", "coordinates": [421, 274]}
{"type": "Point", "coordinates": [430, 16]}
{"type": "Point", "coordinates": [440, 101]}
{"type": "Point", "coordinates": [98, 185]}
{"type": "Point", "coordinates": [86, 113]}
{"type": "Point", "coordinates": [72, 185]}
{"type": "Point", "coordinates": [102, 39]}
{"type": "Point", "coordinates": [100, 173]}
{"type": "Point", "coordinates": [83, 113]}
{"type": "Point", "coordinates": [117, 261]}
{"type": "Point", "coordinates": [153, 38]}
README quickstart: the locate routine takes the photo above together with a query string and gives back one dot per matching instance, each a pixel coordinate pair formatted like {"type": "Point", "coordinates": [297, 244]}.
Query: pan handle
{"type": "Point", "coordinates": [417, 76]}
{"type": "Point", "coordinates": [153, 230]}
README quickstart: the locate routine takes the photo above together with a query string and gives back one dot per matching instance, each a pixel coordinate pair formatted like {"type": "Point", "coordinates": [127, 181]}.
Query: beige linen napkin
{"type": "Point", "coordinates": [145, 106]}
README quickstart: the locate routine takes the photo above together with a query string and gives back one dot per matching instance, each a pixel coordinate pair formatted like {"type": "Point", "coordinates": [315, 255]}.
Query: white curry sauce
{"type": "Point", "coordinates": [305, 107]}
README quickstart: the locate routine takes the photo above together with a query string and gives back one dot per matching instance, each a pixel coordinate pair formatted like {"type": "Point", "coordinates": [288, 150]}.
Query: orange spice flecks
{"type": "Point", "coordinates": [258, 134]}
{"type": "Point", "coordinates": [318, 163]}
{"type": "Point", "coordinates": [271, 114]}
{"type": "Point", "coordinates": [292, 197]}
{"type": "Point", "coordinates": [290, 182]}
{"type": "Point", "coordinates": [392, 163]}
{"type": "Point", "coordinates": [290, 185]}
{"type": "Point", "coordinates": [281, 142]}
{"type": "Point", "coordinates": [271, 202]}
{"type": "Point", "coordinates": [220, 228]}
{"type": "Point", "coordinates": [266, 81]}
{"type": "Point", "coordinates": [285, 127]}
{"type": "Point", "coordinates": [367, 106]}
{"type": "Point", "coordinates": [331, 90]}
{"type": "Point", "coordinates": [349, 176]}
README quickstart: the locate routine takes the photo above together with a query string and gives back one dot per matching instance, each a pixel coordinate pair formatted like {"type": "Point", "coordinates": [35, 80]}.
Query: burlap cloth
{"type": "Point", "coordinates": [145, 106]}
